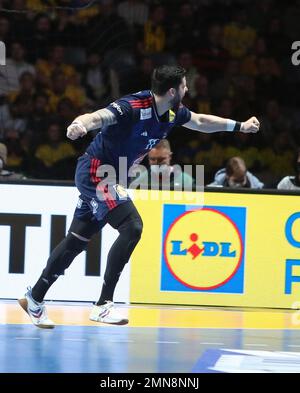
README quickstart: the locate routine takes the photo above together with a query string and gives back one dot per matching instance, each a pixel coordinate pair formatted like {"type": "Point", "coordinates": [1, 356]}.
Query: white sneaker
{"type": "Point", "coordinates": [36, 311]}
{"type": "Point", "coordinates": [107, 314]}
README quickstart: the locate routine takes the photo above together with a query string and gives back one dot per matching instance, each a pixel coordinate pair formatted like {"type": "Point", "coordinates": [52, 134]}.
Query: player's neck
{"type": "Point", "coordinates": [162, 105]}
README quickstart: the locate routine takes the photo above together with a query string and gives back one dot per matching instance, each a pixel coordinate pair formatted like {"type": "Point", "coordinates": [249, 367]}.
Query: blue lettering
{"type": "Point", "coordinates": [176, 248]}
{"type": "Point", "coordinates": [288, 230]}
{"type": "Point", "coordinates": [211, 249]}
{"type": "Point", "coordinates": [225, 250]}
{"type": "Point", "coordinates": [289, 278]}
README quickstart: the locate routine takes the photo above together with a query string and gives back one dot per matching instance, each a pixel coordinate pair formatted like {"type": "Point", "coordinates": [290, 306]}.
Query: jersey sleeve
{"type": "Point", "coordinates": [122, 111]}
{"type": "Point", "coordinates": [183, 116]}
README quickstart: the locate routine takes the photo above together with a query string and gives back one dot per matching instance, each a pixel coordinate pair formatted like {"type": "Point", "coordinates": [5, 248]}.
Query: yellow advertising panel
{"type": "Point", "coordinates": [230, 250]}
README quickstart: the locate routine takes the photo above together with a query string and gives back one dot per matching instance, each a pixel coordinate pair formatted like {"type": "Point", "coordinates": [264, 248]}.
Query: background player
{"type": "Point", "coordinates": [130, 127]}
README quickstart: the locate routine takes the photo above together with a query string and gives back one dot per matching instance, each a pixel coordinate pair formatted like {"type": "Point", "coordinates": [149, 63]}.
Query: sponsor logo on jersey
{"type": "Point", "coordinates": [118, 108]}
{"type": "Point", "coordinates": [146, 113]}
{"type": "Point", "coordinates": [151, 143]}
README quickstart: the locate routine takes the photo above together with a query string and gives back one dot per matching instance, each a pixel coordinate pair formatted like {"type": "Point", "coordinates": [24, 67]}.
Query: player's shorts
{"type": "Point", "coordinates": [96, 200]}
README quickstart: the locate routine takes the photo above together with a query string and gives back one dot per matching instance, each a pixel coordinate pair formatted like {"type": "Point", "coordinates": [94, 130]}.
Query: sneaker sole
{"type": "Point", "coordinates": [23, 303]}
{"type": "Point", "coordinates": [123, 322]}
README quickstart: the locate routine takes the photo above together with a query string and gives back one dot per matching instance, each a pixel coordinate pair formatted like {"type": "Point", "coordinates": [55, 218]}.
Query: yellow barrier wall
{"type": "Point", "coordinates": [237, 250]}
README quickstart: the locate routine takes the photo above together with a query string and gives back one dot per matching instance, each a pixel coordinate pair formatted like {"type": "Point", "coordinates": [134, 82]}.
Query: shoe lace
{"type": "Point", "coordinates": [38, 304]}
{"type": "Point", "coordinates": [38, 307]}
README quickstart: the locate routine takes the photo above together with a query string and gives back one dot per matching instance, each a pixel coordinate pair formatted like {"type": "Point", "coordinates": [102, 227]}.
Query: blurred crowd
{"type": "Point", "coordinates": [65, 58]}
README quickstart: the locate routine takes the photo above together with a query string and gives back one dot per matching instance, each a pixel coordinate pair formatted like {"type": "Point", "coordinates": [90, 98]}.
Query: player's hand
{"type": "Point", "coordinates": [251, 125]}
{"type": "Point", "coordinates": [76, 130]}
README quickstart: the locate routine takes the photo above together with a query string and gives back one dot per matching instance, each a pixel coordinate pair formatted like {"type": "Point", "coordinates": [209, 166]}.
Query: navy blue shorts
{"type": "Point", "coordinates": [96, 200]}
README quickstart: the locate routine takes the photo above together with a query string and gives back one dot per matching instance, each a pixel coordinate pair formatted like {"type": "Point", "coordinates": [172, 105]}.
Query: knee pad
{"type": "Point", "coordinates": [132, 228]}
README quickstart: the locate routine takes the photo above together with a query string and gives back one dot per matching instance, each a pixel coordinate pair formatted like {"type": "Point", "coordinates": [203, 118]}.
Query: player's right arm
{"type": "Point", "coordinates": [90, 121]}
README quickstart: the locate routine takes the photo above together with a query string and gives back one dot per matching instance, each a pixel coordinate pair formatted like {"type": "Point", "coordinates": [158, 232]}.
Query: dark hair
{"type": "Point", "coordinates": [165, 77]}
{"type": "Point", "coordinates": [233, 164]}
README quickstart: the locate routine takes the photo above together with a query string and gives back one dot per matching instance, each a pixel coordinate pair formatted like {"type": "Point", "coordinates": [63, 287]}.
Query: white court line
{"type": "Point", "coordinates": [210, 343]}
{"type": "Point", "coordinates": [255, 345]}
{"type": "Point", "coordinates": [27, 338]}
{"type": "Point", "coordinates": [74, 339]}
{"type": "Point", "coordinates": [121, 341]}
{"type": "Point", "coordinates": [294, 346]}
{"type": "Point", "coordinates": [167, 342]}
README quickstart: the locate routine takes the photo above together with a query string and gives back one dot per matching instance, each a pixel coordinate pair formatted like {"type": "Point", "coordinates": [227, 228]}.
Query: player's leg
{"type": "Point", "coordinates": [62, 256]}
{"type": "Point", "coordinates": [126, 219]}
{"type": "Point", "coordinates": [130, 229]}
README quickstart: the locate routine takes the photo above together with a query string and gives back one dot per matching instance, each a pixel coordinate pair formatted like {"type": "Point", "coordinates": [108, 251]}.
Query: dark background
{"type": "Point", "coordinates": [78, 56]}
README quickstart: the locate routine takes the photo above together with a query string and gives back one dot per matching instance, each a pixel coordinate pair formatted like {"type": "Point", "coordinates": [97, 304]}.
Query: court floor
{"type": "Point", "coordinates": [158, 339]}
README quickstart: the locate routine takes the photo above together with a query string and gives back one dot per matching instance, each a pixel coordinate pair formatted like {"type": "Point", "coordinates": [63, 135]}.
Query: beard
{"type": "Point", "coordinates": [175, 102]}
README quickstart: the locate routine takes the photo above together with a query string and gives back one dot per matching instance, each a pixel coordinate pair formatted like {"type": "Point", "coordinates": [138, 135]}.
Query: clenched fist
{"type": "Point", "coordinates": [251, 125]}
{"type": "Point", "coordinates": [76, 130]}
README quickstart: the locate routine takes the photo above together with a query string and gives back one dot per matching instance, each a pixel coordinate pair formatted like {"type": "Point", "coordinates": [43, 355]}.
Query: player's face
{"type": "Point", "coordinates": [183, 89]}
{"type": "Point", "coordinates": [180, 93]}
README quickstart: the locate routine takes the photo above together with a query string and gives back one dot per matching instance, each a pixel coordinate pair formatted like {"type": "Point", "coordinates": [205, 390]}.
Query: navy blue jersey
{"type": "Point", "coordinates": [137, 131]}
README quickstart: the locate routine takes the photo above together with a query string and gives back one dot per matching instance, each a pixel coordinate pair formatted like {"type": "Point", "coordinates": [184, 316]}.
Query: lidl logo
{"type": "Point", "coordinates": [203, 249]}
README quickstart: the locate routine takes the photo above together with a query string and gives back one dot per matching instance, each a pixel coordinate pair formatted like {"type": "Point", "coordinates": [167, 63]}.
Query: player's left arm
{"type": "Point", "coordinates": [118, 112]}
{"type": "Point", "coordinates": [211, 123]}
